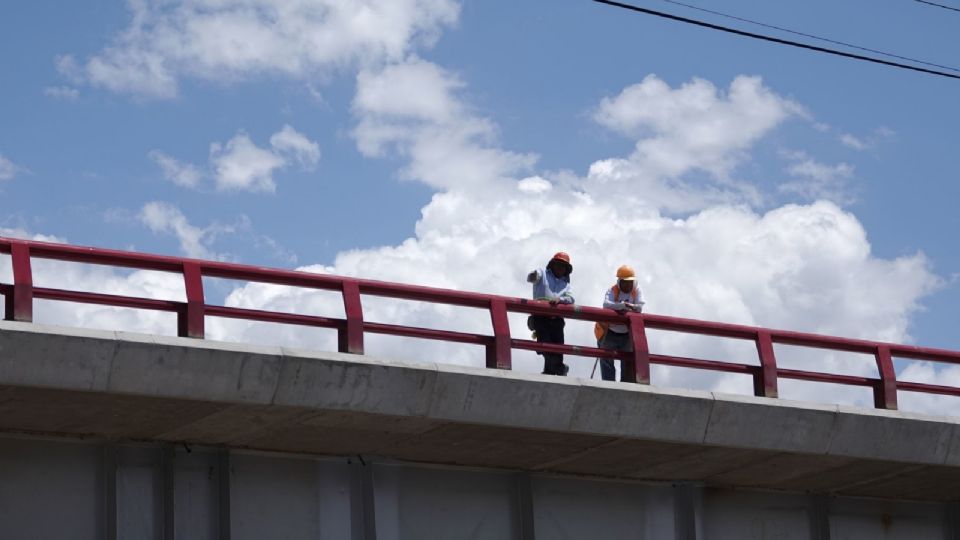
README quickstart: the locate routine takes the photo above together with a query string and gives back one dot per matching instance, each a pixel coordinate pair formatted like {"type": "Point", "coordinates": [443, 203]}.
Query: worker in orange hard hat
{"type": "Point", "coordinates": [623, 296]}
{"type": "Point", "coordinates": [551, 284]}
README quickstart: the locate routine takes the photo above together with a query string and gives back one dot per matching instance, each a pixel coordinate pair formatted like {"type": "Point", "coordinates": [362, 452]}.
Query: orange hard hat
{"type": "Point", "coordinates": [626, 273]}
{"type": "Point", "coordinates": [561, 256]}
{"type": "Point", "coordinates": [564, 258]}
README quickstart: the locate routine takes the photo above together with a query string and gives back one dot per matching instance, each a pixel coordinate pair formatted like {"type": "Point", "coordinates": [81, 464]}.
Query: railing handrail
{"type": "Point", "coordinates": [19, 306]}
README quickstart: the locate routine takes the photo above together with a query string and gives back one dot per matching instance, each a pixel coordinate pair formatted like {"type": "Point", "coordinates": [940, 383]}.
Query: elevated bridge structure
{"type": "Point", "coordinates": [119, 435]}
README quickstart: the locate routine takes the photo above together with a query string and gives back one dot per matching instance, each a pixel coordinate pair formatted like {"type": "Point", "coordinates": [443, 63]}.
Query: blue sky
{"type": "Point", "coordinates": [513, 91]}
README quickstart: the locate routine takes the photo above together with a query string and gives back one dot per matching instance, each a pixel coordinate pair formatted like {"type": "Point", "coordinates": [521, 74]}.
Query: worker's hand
{"type": "Point", "coordinates": [554, 302]}
{"type": "Point", "coordinates": [532, 277]}
{"type": "Point", "coordinates": [632, 307]}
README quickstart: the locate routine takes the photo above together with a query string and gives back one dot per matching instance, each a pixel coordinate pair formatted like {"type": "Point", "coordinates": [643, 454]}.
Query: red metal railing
{"type": "Point", "coordinates": [19, 298]}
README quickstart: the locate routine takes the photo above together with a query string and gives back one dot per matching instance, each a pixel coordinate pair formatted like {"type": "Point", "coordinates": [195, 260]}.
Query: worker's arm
{"type": "Point", "coordinates": [610, 302]}
{"type": "Point", "coordinates": [566, 296]}
{"type": "Point", "coordinates": [638, 305]}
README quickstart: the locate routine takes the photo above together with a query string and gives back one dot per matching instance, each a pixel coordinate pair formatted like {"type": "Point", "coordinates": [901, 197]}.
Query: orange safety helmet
{"type": "Point", "coordinates": [626, 273]}
{"type": "Point", "coordinates": [564, 258]}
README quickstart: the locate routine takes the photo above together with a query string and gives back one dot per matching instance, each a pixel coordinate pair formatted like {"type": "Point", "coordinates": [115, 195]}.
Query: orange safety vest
{"type": "Point", "coordinates": [601, 328]}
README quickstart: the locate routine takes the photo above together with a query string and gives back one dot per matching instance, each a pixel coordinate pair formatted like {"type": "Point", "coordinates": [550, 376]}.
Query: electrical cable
{"type": "Point", "coordinates": [938, 5]}
{"type": "Point", "coordinates": [774, 39]}
{"type": "Point", "coordinates": [828, 40]}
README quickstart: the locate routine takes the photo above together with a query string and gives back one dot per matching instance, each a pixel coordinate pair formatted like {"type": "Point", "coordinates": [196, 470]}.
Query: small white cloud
{"type": "Point", "coordinates": [242, 165]}
{"type": "Point", "coordinates": [7, 168]}
{"type": "Point", "coordinates": [67, 66]}
{"type": "Point", "coordinates": [875, 137]}
{"type": "Point", "coordinates": [817, 180]}
{"type": "Point", "coordinates": [290, 141]}
{"type": "Point", "coordinates": [534, 184]}
{"type": "Point", "coordinates": [161, 217]}
{"type": "Point", "coordinates": [182, 174]}
{"type": "Point", "coordinates": [65, 93]}
{"type": "Point", "coordinates": [884, 131]}
{"type": "Point", "coordinates": [850, 141]}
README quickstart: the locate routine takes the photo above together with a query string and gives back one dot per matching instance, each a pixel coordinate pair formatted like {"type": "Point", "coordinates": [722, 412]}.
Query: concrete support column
{"type": "Point", "coordinates": [819, 517]}
{"type": "Point", "coordinates": [686, 502]}
{"type": "Point", "coordinates": [223, 489]}
{"type": "Point", "coordinates": [363, 502]}
{"type": "Point", "coordinates": [952, 520]}
{"type": "Point", "coordinates": [109, 469]}
{"type": "Point", "coordinates": [524, 494]}
{"type": "Point", "coordinates": [168, 491]}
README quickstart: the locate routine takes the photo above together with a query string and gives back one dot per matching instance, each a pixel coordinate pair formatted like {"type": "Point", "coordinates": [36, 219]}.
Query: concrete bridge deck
{"type": "Point", "coordinates": [121, 386]}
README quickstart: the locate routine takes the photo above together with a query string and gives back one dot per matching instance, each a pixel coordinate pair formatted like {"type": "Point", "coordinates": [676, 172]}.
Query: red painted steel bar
{"type": "Point", "coordinates": [885, 393]}
{"type": "Point", "coordinates": [765, 381]}
{"type": "Point", "coordinates": [274, 317]}
{"type": "Point", "coordinates": [351, 338]}
{"type": "Point", "coordinates": [636, 365]}
{"type": "Point", "coordinates": [107, 299]}
{"type": "Point", "coordinates": [20, 307]}
{"type": "Point", "coordinates": [191, 319]}
{"type": "Point", "coordinates": [499, 353]}
{"type": "Point", "coordinates": [427, 333]}
{"type": "Point", "coordinates": [637, 369]}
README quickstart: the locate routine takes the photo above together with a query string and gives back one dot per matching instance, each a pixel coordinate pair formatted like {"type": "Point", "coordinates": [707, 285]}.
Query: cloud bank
{"type": "Point", "coordinates": [227, 40]}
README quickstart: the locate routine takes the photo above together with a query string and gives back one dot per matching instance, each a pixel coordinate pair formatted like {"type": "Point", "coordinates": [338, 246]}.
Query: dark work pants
{"type": "Point", "coordinates": [617, 342]}
{"type": "Point", "coordinates": [550, 330]}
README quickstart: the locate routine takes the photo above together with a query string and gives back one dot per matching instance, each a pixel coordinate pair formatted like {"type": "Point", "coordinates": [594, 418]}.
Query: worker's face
{"type": "Point", "coordinates": [626, 285]}
{"type": "Point", "coordinates": [559, 269]}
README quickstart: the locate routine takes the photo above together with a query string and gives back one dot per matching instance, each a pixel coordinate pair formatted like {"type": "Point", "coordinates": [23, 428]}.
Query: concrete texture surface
{"type": "Point", "coordinates": [120, 386]}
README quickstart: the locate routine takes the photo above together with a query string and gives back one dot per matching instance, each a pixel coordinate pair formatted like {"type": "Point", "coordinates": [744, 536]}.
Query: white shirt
{"type": "Point", "coordinates": [617, 303]}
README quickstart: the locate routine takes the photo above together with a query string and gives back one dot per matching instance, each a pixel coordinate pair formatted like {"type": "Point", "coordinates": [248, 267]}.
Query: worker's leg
{"type": "Point", "coordinates": [558, 325]}
{"type": "Point", "coordinates": [607, 371]}
{"type": "Point", "coordinates": [546, 328]}
{"type": "Point", "coordinates": [553, 362]}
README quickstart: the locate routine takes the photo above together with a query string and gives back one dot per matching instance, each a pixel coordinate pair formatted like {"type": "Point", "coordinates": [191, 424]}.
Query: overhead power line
{"type": "Point", "coordinates": [827, 40]}
{"type": "Point", "coordinates": [938, 5]}
{"type": "Point", "coordinates": [775, 39]}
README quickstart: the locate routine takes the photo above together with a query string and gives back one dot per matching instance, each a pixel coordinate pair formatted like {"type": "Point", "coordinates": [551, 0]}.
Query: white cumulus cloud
{"type": "Point", "coordinates": [696, 125]}
{"type": "Point", "coordinates": [182, 174]}
{"type": "Point", "coordinates": [413, 109]}
{"type": "Point", "coordinates": [288, 141]}
{"type": "Point", "coordinates": [167, 41]}
{"type": "Point", "coordinates": [850, 141]}
{"type": "Point", "coordinates": [161, 217]}
{"type": "Point", "coordinates": [241, 165]}
{"type": "Point", "coordinates": [7, 168]}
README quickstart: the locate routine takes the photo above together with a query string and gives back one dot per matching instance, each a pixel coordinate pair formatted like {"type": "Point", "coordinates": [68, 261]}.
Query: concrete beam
{"type": "Point", "coordinates": [116, 385]}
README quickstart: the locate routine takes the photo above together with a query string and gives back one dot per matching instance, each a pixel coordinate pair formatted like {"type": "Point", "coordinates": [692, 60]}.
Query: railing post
{"type": "Point", "coordinates": [19, 305]}
{"type": "Point", "coordinates": [499, 352]}
{"type": "Point", "coordinates": [637, 369]}
{"type": "Point", "coordinates": [190, 321]}
{"type": "Point", "coordinates": [885, 392]}
{"type": "Point", "coordinates": [351, 337]}
{"type": "Point", "coordinates": [765, 379]}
